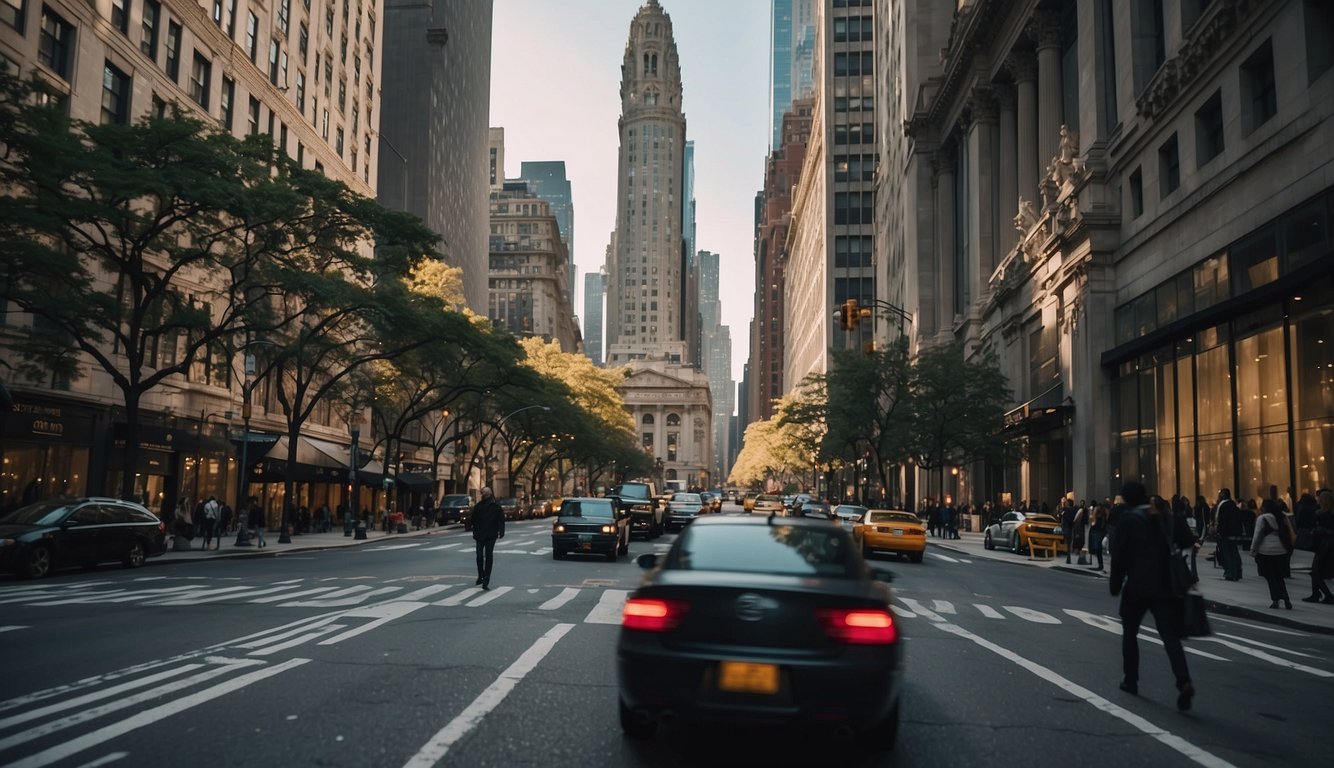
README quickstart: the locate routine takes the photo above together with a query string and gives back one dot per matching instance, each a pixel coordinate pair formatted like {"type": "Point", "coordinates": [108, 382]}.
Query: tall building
{"type": "Point", "coordinates": [668, 398]}
{"type": "Point", "coordinates": [690, 325]}
{"type": "Point", "coordinates": [434, 122]}
{"type": "Point", "coordinates": [547, 179]}
{"type": "Point", "coordinates": [782, 172]}
{"type": "Point", "coordinates": [716, 356]}
{"type": "Point", "coordinates": [645, 276]}
{"type": "Point", "coordinates": [529, 268]}
{"type": "Point", "coordinates": [792, 59]}
{"type": "Point", "coordinates": [251, 68]}
{"type": "Point", "coordinates": [495, 152]}
{"type": "Point", "coordinates": [595, 286]}
{"type": "Point", "coordinates": [1130, 205]}
{"type": "Point", "coordinates": [830, 242]}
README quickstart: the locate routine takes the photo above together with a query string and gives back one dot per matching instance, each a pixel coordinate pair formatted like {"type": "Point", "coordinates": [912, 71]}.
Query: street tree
{"type": "Point", "coordinates": [804, 415]}
{"type": "Point", "coordinates": [957, 406]}
{"type": "Point", "coordinates": [869, 410]}
{"type": "Point", "coordinates": [132, 248]}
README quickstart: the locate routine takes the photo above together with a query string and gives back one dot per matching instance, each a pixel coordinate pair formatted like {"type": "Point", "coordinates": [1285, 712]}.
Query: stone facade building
{"type": "Point", "coordinates": [1131, 205]}
{"type": "Point", "coordinates": [529, 269]}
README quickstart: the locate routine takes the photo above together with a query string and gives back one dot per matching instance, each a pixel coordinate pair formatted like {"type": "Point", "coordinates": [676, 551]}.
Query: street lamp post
{"type": "Point", "coordinates": [354, 427]}
{"type": "Point", "coordinates": [500, 424]}
{"type": "Point", "coordinates": [243, 477]}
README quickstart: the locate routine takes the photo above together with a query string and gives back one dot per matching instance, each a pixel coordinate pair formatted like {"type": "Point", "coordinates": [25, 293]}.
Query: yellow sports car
{"type": "Point", "coordinates": [893, 531]}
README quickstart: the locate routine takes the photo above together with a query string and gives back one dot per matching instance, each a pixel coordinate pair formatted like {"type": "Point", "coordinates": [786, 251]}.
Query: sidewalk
{"type": "Point", "coordinates": [1248, 598]}
{"type": "Point", "coordinates": [304, 542]}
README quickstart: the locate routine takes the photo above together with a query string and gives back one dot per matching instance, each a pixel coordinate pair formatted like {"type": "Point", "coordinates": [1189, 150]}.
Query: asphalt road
{"type": "Point", "coordinates": [387, 655]}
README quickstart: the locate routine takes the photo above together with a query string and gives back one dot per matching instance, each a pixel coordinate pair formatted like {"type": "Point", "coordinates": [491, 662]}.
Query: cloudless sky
{"type": "Point", "coordinates": [555, 89]}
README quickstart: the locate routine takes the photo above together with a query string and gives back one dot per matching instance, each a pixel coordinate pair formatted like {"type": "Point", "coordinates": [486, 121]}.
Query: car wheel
{"type": "Point", "coordinates": [135, 556]}
{"type": "Point", "coordinates": [632, 727]}
{"type": "Point", "coordinates": [915, 557]}
{"type": "Point", "coordinates": [987, 543]}
{"type": "Point", "coordinates": [37, 564]}
{"type": "Point", "coordinates": [880, 737]}
{"type": "Point", "coordinates": [556, 554]}
{"type": "Point", "coordinates": [866, 551]}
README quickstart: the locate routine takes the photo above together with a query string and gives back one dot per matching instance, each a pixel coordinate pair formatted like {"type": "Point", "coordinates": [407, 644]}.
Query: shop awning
{"type": "Point", "coordinates": [1044, 412]}
{"type": "Point", "coordinates": [415, 482]}
{"type": "Point", "coordinates": [314, 464]}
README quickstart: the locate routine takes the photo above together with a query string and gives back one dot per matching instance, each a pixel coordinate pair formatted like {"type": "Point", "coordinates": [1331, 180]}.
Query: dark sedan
{"type": "Point", "coordinates": [761, 619]}
{"type": "Point", "coordinates": [683, 508]}
{"type": "Point", "coordinates": [590, 526]}
{"type": "Point", "coordinates": [38, 538]}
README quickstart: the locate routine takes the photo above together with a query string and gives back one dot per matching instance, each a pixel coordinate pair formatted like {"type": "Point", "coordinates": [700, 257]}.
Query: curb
{"type": "Point", "coordinates": [1215, 606]}
{"type": "Point", "coordinates": [252, 553]}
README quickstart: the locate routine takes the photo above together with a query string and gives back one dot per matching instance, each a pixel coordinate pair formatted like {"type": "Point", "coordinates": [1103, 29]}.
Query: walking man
{"type": "Point", "coordinates": [1141, 576]}
{"type": "Point", "coordinates": [1230, 529]}
{"type": "Point", "coordinates": [209, 523]}
{"type": "Point", "coordinates": [1068, 515]}
{"type": "Point", "coordinates": [488, 524]}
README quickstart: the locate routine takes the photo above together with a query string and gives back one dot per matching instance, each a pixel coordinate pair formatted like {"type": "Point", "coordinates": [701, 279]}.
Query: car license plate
{"type": "Point", "coordinates": [585, 537]}
{"type": "Point", "coordinates": [744, 677]}
{"type": "Point", "coordinates": [898, 531]}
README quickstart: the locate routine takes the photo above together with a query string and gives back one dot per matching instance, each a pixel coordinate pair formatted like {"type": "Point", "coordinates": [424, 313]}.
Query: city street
{"type": "Point", "coordinates": [386, 654]}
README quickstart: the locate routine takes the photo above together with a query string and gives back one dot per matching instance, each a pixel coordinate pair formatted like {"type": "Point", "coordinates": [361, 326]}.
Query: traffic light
{"type": "Point", "coordinates": [848, 315]}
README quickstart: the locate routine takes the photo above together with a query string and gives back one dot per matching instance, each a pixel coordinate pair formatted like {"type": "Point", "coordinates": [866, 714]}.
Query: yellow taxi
{"type": "Point", "coordinates": [748, 502]}
{"type": "Point", "coordinates": [893, 531]}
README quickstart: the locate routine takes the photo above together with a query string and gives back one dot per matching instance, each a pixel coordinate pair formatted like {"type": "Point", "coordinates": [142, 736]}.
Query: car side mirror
{"type": "Point", "coordinates": [647, 560]}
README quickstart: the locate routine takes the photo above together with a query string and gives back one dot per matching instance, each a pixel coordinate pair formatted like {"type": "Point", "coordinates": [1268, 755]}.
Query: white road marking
{"type": "Point", "coordinates": [285, 632]}
{"type": "Point", "coordinates": [942, 606]}
{"type": "Point", "coordinates": [1259, 644]}
{"type": "Point", "coordinates": [488, 596]}
{"type": "Point", "coordinates": [965, 560]}
{"type": "Point", "coordinates": [565, 596]}
{"type": "Point", "coordinates": [88, 698]}
{"type": "Point", "coordinates": [988, 611]}
{"type": "Point", "coordinates": [1109, 624]}
{"type": "Point", "coordinates": [1181, 745]}
{"type": "Point", "coordinates": [424, 592]}
{"type": "Point", "coordinates": [918, 609]}
{"type": "Point", "coordinates": [1272, 659]}
{"type": "Point", "coordinates": [434, 750]}
{"type": "Point", "coordinates": [290, 595]}
{"type": "Point", "coordinates": [459, 598]}
{"type": "Point", "coordinates": [298, 640]}
{"type": "Point", "coordinates": [1264, 627]}
{"type": "Point", "coordinates": [391, 547]}
{"type": "Point", "coordinates": [12, 628]}
{"type": "Point", "coordinates": [609, 607]}
{"type": "Point", "coordinates": [443, 546]}
{"type": "Point", "coordinates": [188, 598]}
{"type": "Point", "coordinates": [1028, 614]}
{"type": "Point", "coordinates": [153, 716]}
{"type": "Point", "coordinates": [517, 544]}
{"type": "Point", "coordinates": [217, 597]}
{"type": "Point", "coordinates": [541, 551]}
{"type": "Point", "coordinates": [511, 551]}
{"type": "Point", "coordinates": [106, 760]}
{"type": "Point", "coordinates": [946, 558]}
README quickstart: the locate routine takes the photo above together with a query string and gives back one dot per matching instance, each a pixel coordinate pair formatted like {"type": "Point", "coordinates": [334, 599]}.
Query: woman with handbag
{"type": "Point", "coordinates": [1271, 546]}
{"type": "Point", "coordinates": [1143, 576]}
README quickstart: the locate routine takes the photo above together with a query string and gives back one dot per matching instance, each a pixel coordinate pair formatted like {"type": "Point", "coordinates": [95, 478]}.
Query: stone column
{"type": "Point", "coordinates": [981, 192]}
{"type": "Point", "coordinates": [1024, 68]}
{"type": "Point", "coordinates": [1046, 29]}
{"type": "Point", "coordinates": [944, 303]}
{"type": "Point", "coordinates": [1007, 200]}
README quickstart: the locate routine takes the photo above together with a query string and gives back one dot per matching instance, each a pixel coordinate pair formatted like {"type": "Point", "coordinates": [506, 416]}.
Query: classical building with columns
{"type": "Point", "coordinates": [1130, 204]}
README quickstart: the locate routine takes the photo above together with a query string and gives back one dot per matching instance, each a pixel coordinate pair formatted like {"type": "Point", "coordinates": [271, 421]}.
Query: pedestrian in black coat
{"type": "Point", "coordinates": [1141, 576]}
{"type": "Point", "coordinates": [488, 524]}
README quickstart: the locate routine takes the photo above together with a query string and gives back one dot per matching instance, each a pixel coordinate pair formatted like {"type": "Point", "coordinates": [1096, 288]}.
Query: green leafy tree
{"type": "Point", "coordinates": [870, 406]}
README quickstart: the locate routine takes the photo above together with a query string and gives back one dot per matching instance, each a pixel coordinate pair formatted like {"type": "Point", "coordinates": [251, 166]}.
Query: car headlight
{"type": "Point", "coordinates": [558, 528]}
{"type": "Point", "coordinates": [1056, 530]}
{"type": "Point", "coordinates": [608, 529]}
{"type": "Point", "coordinates": [7, 542]}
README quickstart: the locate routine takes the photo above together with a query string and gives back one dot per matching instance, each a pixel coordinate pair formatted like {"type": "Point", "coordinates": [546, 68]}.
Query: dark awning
{"type": "Point", "coordinates": [1046, 411]}
{"type": "Point", "coordinates": [415, 482]}
{"type": "Point", "coordinates": [313, 463]}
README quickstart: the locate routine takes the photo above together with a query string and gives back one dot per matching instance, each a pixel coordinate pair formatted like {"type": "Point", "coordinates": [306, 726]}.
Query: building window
{"type": "Point", "coordinates": [1149, 36]}
{"type": "Point", "coordinates": [252, 37]}
{"type": "Point", "coordinates": [273, 61]}
{"type": "Point", "coordinates": [1169, 166]}
{"type": "Point", "coordinates": [338, 142]}
{"type": "Point", "coordinates": [231, 19]}
{"type": "Point", "coordinates": [115, 95]}
{"type": "Point", "coordinates": [253, 127]}
{"type": "Point", "coordinates": [284, 13]}
{"type": "Point", "coordinates": [324, 125]}
{"type": "Point", "coordinates": [328, 21]}
{"type": "Point", "coordinates": [217, 13]}
{"type": "Point", "coordinates": [227, 98]}
{"type": "Point", "coordinates": [12, 13]}
{"type": "Point", "coordinates": [303, 40]}
{"type": "Point", "coordinates": [301, 92]}
{"type": "Point", "coordinates": [173, 63]}
{"type": "Point", "coordinates": [1318, 21]}
{"type": "Point", "coordinates": [342, 94]}
{"type": "Point", "coordinates": [157, 107]}
{"type": "Point", "coordinates": [148, 36]}
{"type": "Point", "coordinates": [1259, 98]}
{"type": "Point", "coordinates": [201, 76]}
{"type": "Point", "coordinates": [1209, 130]}
{"type": "Point", "coordinates": [56, 43]}
{"type": "Point", "coordinates": [1136, 193]}
{"type": "Point", "coordinates": [120, 15]}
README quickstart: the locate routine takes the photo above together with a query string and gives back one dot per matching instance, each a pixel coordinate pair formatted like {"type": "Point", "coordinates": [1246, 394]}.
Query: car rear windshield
{"type": "Point", "coordinates": [692, 498]}
{"type": "Point", "coordinates": [894, 517]}
{"type": "Point", "coordinates": [769, 497]}
{"type": "Point", "coordinates": [633, 491]}
{"type": "Point", "coordinates": [795, 550]}
{"type": "Point", "coordinates": [600, 509]}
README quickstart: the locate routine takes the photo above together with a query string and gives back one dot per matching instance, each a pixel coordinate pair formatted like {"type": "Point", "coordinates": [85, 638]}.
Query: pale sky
{"type": "Point", "coordinates": [555, 89]}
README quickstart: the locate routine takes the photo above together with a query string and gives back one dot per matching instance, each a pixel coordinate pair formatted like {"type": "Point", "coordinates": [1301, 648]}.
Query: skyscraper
{"type": "Point", "coordinates": [792, 59]}
{"type": "Point", "coordinates": [547, 179]}
{"type": "Point", "coordinates": [594, 289]}
{"type": "Point", "coordinates": [645, 274]}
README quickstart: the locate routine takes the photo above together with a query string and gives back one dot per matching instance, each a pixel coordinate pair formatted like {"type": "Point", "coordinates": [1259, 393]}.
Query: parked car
{"type": "Point", "coordinates": [590, 526]}
{"type": "Point", "coordinates": [454, 508]}
{"type": "Point", "coordinates": [893, 531]}
{"type": "Point", "coordinates": [797, 501]}
{"type": "Point", "coordinates": [849, 514]}
{"type": "Point", "coordinates": [761, 620]}
{"type": "Point", "coordinates": [638, 499]}
{"type": "Point", "coordinates": [59, 533]}
{"type": "Point", "coordinates": [547, 507]}
{"type": "Point", "coordinates": [1016, 531]}
{"type": "Point", "coordinates": [512, 508]}
{"type": "Point", "coordinates": [682, 509]}
{"type": "Point", "coordinates": [713, 502]}
{"type": "Point", "coordinates": [769, 504]}
{"type": "Point", "coordinates": [816, 509]}
{"type": "Point", "coordinates": [748, 502]}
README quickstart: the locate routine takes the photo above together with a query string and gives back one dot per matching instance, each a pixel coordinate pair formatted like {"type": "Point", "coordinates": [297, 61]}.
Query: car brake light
{"type": "Point", "coordinates": [860, 627]}
{"type": "Point", "coordinates": [650, 615]}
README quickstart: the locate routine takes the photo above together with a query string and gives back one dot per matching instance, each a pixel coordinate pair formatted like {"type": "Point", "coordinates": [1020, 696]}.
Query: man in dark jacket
{"type": "Point", "coordinates": [1230, 529]}
{"type": "Point", "coordinates": [1141, 576]}
{"type": "Point", "coordinates": [488, 524]}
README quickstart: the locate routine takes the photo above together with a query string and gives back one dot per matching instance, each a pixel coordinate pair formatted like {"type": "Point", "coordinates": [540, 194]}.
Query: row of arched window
{"type": "Point", "coordinates": [673, 419]}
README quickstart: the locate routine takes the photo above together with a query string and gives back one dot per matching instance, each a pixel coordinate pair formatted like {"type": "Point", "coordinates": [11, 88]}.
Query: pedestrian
{"type": "Point", "coordinates": [1097, 530]}
{"type": "Point", "coordinates": [256, 521]}
{"type": "Point", "coordinates": [208, 522]}
{"type": "Point", "coordinates": [1322, 543]}
{"type": "Point", "coordinates": [1068, 515]}
{"type": "Point", "coordinates": [1271, 547]}
{"type": "Point", "coordinates": [488, 524]}
{"type": "Point", "coordinates": [224, 523]}
{"type": "Point", "coordinates": [1230, 530]}
{"type": "Point", "coordinates": [1141, 577]}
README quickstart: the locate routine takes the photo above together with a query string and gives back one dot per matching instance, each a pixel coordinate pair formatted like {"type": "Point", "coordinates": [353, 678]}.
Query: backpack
{"type": "Point", "coordinates": [1284, 533]}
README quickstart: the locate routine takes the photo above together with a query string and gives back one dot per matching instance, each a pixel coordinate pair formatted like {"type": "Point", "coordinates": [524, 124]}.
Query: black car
{"type": "Point", "coordinates": [590, 526]}
{"type": "Point", "coordinates": [682, 509]}
{"type": "Point", "coordinates": [454, 508]}
{"type": "Point", "coordinates": [816, 509]}
{"type": "Point", "coordinates": [761, 619]}
{"type": "Point", "coordinates": [58, 533]}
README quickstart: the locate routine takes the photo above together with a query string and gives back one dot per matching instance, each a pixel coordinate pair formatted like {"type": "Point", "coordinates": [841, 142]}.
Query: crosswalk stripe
{"type": "Point", "coordinates": [488, 596]}
{"type": "Point", "coordinates": [946, 558]}
{"type": "Point", "coordinates": [459, 598]}
{"type": "Point", "coordinates": [291, 595]}
{"type": "Point", "coordinates": [565, 596]}
{"type": "Point", "coordinates": [1272, 659]}
{"type": "Point", "coordinates": [216, 597]}
{"type": "Point", "coordinates": [425, 592]}
{"type": "Point", "coordinates": [988, 611]}
{"type": "Point", "coordinates": [609, 607]}
{"type": "Point", "coordinates": [942, 606]}
{"type": "Point", "coordinates": [329, 601]}
{"type": "Point", "coordinates": [1028, 614]}
{"type": "Point", "coordinates": [390, 547]}
{"type": "Point", "coordinates": [443, 546]}
{"type": "Point", "coordinates": [12, 628]}
{"type": "Point", "coordinates": [298, 640]}
{"type": "Point", "coordinates": [199, 593]}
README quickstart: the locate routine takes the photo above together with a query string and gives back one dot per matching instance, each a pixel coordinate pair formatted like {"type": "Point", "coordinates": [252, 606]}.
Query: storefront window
{"type": "Point", "coordinates": [1211, 284]}
{"type": "Point", "coordinates": [1165, 396]}
{"type": "Point", "coordinates": [1188, 477]}
{"type": "Point", "coordinates": [1262, 406]}
{"type": "Point", "coordinates": [1255, 261]}
{"type": "Point", "coordinates": [35, 472]}
{"type": "Point", "coordinates": [1312, 362]}
{"type": "Point", "coordinates": [1214, 407]}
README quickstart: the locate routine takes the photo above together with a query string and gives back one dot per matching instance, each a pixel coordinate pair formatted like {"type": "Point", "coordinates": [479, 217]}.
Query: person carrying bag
{"type": "Point", "coordinates": [1271, 546]}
